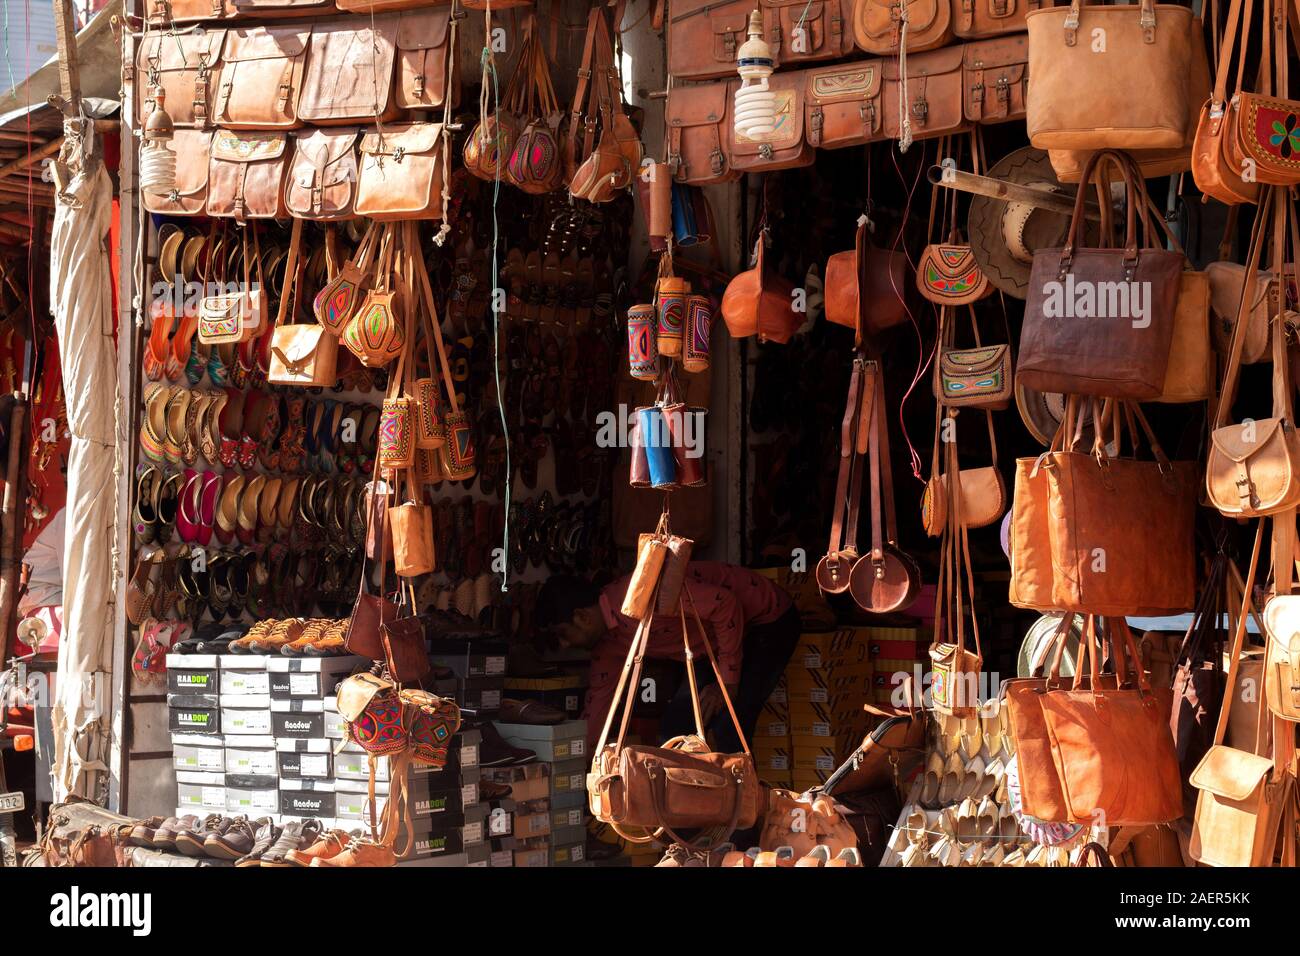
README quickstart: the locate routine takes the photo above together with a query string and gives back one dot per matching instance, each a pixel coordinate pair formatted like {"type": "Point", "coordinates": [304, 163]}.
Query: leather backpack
{"type": "Point", "coordinates": [842, 104]}
{"type": "Point", "coordinates": [186, 68]}
{"type": "Point", "coordinates": [977, 19]}
{"type": "Point", "coordinates": [322, 180]}
{"type": "Point", "coordinates": [995, 77]}
{"type": "Point", "coordinates": [801, 32]}
{"type": "Point", "coordinates": [189, 194]}
{"type": "Point", "coordinates": [424, 53]}
{"type": "Point", "coordinates": [246, 174]}
{"type": "Point", "coordinates": [261, 77]}
{"type": "Point", "coordinates": [349, 73]}
{"type": "Point", "coordinates": [700, 134]}
{"type": "Point", "coordinates": [403, 172]}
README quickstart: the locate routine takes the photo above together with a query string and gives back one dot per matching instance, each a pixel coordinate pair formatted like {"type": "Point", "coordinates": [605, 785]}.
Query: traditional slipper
{"type": "Point", "coordinates": [818, 856]}
{"type": "Point", "coordinates": [227, 520]}
{"type": "Point", "coordinates": [153, 423]}
{"type": "Point", "coordinates": [931, 779]}
{"type": "Point", "coordinates": [142, 589]}
{"type": "Point", "coordinates": [268, 508]}
{"type": "Point", "coordinates": [182, 348]}
{"type": "Point", "coordinates": [246, 528]}
{"type": "Point", "coordinates": [169, 502]}
{"type": "Point", "coordinates": [187, 511]}
{"type": "Point", "coordinates": [230, 425]}
{"type": "Point", "coordinates": [145, 524]}
{"type": "Point", "coordinates": [158, 347]}
{"type": "Point", "coordinates": [209, 426]}
{"type": "Point", "coordinates": [210, 491]}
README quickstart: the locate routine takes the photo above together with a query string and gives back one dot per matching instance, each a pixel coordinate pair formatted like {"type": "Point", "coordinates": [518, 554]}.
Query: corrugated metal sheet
{"type": "Point", "coordinates": [27, 39]}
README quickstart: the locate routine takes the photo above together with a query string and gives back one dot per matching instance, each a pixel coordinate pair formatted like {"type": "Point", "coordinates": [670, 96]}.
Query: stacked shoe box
{"type": "Point", "coordinates": [552, 815]}
{"type": "Point", "coordinates": [519, 823]}
{"type": "Point", "coordinates": [194, 721]}
{"type": "Point", "coordinates": [304, 756]}
{"type": "Point", "coordinates": [564, 692]}
{"type": "Point", "coordinates": [771, 744]}
{"type": "Point", "coordinates": [895, 651]}
{"type": "Point", "coordinates": [478, 668]}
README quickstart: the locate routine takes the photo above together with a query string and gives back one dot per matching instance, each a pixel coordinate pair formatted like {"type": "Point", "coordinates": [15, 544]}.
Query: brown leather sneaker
{"type": "Point", "coordinates": [360, 852]}
{"type": "Point", "coordinates": [293, 836]}
{"type": "Point", "coordinates": [190, 842]}
{"type": "Point", "coordinates": [164, 838]}
{"type": "Point", "coordinates": [142, 833]}
{"type": "Point", "coordinates": [235, 841]}
{"type": "Point", "coordinates": [267, 834]}
{"type": "Point", "coordinates": [330, 845]}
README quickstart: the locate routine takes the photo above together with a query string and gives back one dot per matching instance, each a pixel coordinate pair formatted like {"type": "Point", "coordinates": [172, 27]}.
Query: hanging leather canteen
{"type": "Point", "coordinates": [534, 164]}
{"type": "Point", "coordinates": [340, 298]}
{"type": "Point", "coordinates": [412, 528]}
{"type": "Point", "coordinates": [642, 349]}
{"type": "Point", "coordinates": [834, 567]}
{"type": "Point", "coordinates": [376, 334]}
{"type": "Point", "coordinates": [885, 579]}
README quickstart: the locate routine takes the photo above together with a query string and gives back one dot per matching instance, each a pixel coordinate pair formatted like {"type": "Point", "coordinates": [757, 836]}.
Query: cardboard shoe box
{"type": "Point", "coordinates": [304, 758]}
{"type": "Point", "coordinates": [244, 674]}
{"type": "Point", "coordinates": [200, 792]}
{"type": "Point", "coordinates": [194, 720]}
{"type": "Point", "coordinates": [569, 846]}
{"type": "Point", "coordinates": [565, 692]}
{"type": "Point", "coordinates": [193, 676]}
{"type": "Point", "coordinates": [569, 779]}
{"type": "Point", "coordinates": [252, 802]}
{"type": "Point", "coordinates": [297, 800]}
{"type": "Point", "coordinates": [246, 714]}
{"type": "Point", "coordinates": [304, 717]}
{"type": "Point", "coordinates": [355, 765]}
{"type": "Point", "coordinates": [312, 678]}
{"type": "Point", "coordinates": [250, 762]}
{"type": "Point", "coordinates": [469, 659]}
{"type": "Point", "coordinates": [528, 782]}
{"type": "Point", "coordinates": [201, 752]}
{"type": "Point", "coordinates": [553, 743]}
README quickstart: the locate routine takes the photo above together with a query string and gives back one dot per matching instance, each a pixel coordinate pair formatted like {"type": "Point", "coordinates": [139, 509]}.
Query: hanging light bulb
{"type": "Point", "coordinates": [157, 161]}
{"type": "Point", "coordinates": [755, 102]}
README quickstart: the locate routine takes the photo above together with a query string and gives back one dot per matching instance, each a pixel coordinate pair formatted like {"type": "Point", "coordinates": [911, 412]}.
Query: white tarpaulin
{"type": "Point", "coordinates": [82, 303]}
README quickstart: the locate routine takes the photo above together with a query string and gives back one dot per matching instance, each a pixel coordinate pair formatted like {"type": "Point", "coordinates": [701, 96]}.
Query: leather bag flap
{"type": "Point", "coordinates": [1239, 442]}
{"type": "Point", "coordinates": [972, 361]}
{"type": "Point", "coordinates": [930, 63]}
{"type": "Point", "coordinates": [1010, 51]}
{"type": "Point", "coordinates": [192, 148]}
{"type": "Point", "coordinates": [298, 342]}
{"type": "Point", "coordinates": [220, 306]}
{"type": "Point", "coordinates": [735, 22]}
{"type": "Point", "coordinates": [180, 52]}
{"type": "Point", "coordinates": [877, 18]}
{"type": "Point", "coordinates": [1229, 773]}
{"type": "Point", "coordinates": [941, 654]}
{"type": "Point", "coordinates": [321, 150]}
{"type": "Point", "coordinates": [266, 43]}
{"type": "Point", "coordinates": [694, 777]}
{"type": "Point", "coordinates": [413, 138]}
{"type": "Point", "coordinates": [789, 118]}
{"type": "Point", "coordinates": [698, 105]}
{"type": "Point", "coordinates": [851, 82]}
{"type": "Point", "coordinates": [1282, 618]}
{"type": "Point", "coordinates": [247, 147]}
{"type": "Point", "coordinates": [423, 29]}
{"type": "Point", "coordinates": [356, 692]}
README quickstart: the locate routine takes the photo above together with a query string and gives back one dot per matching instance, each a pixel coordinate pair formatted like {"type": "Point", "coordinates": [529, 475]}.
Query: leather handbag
{"type": "Point", "coordinates": [842, 105]}
{"type": "Point", "coordinates": [185, 69]}
{"type": "Point", "coordinates": [982, 490]}
{"type": "Point", "coordinates": [865, 287]}
{"type": "Point", "coordinates": [703, 37]}
{"type": "Point", "coordinates": [947, 273]}
{"type": "Point", "coordinates": [411, 524]}
{"type": "Point", "coordinates": [757, 302]}
{"type": "Point", "coordinates": [801, 32]}
{"type": "Point", "coordinates": [929, 89]}
{"type": "Point", "coordinates": [1122, 530]}
{"type": "Point", "coordinates": [1077, 340]}
{"type": "Point", "coordinates": [322, 180]}
{"type": "Point", "coordinates": [1030, 534]}
{"type": "Point", "coordinates": [700, 134]}
{"type": "Point", "coordinates": [303, 354]}
{"type": "Point", "coordinates": [163, 13]}
{"type": "Point", "coordinates": [785, 147]}
{"type": "Point", "coordinates": [1263, 133]}
{"type": "Point", "coordinates": [878, 28]}
{"type": "Point", "coordinates": [1216, 172]}
{"type": "Point", "coordinates": [599, 169]}
{"type": "Point", "coordinates": [995, 73]}
{"type": "Point", "coordinates": [1227, 280]}
{"type": "Point", "coordinates": [261, 77]}
{"type": "Point", "coordinates": [426, 60]}
{"type": "Point", "coordinates": [1243, 793]}
{"type": "Point", "coordinates": [534, 164]}
{"type": "Point", "coordinates": [372, 712]}
{"type": "Point", "coordinates": [980, 377]}
{"type": "Point", "coordinates": [1282, 656]}
{"type": "Point", "coordinates": [1253, 468]}
{"type": "Point", "coordinates": [246, 174]}
{"type": "Point", "coordinates": [1112, 748]}
{"type": "Point", "coordinates": [189, 194]}
{"type": "Point", "coordinates": [1154, 163]}
{"type": "Point", "coordinates": [376, 331]}
{"type": "Point", "coordinates": [976, 19]}
{"type": "Point", "coordinates": [349, 74]}
{"type": "Point", "coordinates": [888, 756]}
{"type": "Point", "coordinates": [403, 170]}
{"type": "Point", "coordinates": [405, 650]}
{"type": "Point", "coordinates": [662, 790]}
{"type": "Point", "coordinates": [232, 317]}
{"type": "Point", "coordinates": [433, 721]}
{"type": "Point", "coordinates": [1148, 47]}
{"type": "Point", "coordinates": [341, 296]}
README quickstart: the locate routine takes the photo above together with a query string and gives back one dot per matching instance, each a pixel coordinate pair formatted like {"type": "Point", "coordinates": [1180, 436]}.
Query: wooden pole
{"type": "Point", "coordinates": [49, 149]}
{"type": "Point", "coordinates": [1009, 192]}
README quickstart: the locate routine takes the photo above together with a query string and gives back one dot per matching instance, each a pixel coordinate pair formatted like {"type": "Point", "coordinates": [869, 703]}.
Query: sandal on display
{"type": "Point", "coordinates": [227, 518]}
{"type": "Point", "coordinates": [147, 486]}
{"type": "Point", "coordinates": [230, 426]}
{"type": "Point", "coordinates": [142, 589]}
{"type": "Point", "coordinates": [819, 855]}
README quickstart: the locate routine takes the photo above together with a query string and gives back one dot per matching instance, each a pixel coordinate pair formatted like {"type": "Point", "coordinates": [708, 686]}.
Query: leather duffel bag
{"type": "Point", "coordinates": [80, 833]}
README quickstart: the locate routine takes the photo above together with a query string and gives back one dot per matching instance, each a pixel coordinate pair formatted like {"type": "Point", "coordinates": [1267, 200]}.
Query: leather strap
{"type": "Point", "coordinates": [847, 457]}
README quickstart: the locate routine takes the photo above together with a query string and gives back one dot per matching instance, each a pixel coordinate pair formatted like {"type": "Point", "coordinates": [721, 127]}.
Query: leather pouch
{"type": "Point", "coordinates": [405, 650]}
{"type": "Point", "coordinates": [978, 377]}
{"type": "Point", "coordinates": [412, 528]}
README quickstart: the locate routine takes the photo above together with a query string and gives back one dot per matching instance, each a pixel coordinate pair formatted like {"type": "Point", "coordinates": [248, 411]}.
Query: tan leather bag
{"type": "Point", "coordinates": [651, 554]}
{"type": "Point", "coordinates": [302, 354]}
{"type": "Point", "coordinates": [1253, 468]}
{"type": "Point", "coordinates": [261, 77]}
{"type": "Point", "coordinates": [983, 497]}
{"type": "Point", "coordinates": [1215, 171]}
{"type": "Point", "coordinates": [1190, 375]}
{"type": "Point", "coordinates": [189, 197]}
{"type": "Point", "coordinates": [995, 76]}
{"type": "Point", "coordinates": [382, 6]}
{"type": "Point", "coordinates": [700, 134]}
{"type": "Point", "coordinates": [1030, 534]}
{"type": "Point", "coordinates": [412, 527]}
{"type": "Point", "coordinates": [163, 13]}
{"type": "Point", "coordinates": [785, 148]}
{"type": "Point", "coordinates": [805, 820]}
{"type": "Point", "coordinates": [284, 9]}
{"type": "Point", "coordinates": [600, 169]}
{"type": "Point", "coordinates": [349, 75]}
{"type": "Point", "coordinates": [932, 89]}
{"type": "Point", "coordinates": [865, 287]}
{"type": "Point", "coordinates": [704, 35]}
{"type": "Point", "coordinates": [1148, 47]}
{"type": "Point", "coordinates": [1227, 280]}
{"type": "Point", "coordinates": [977, 19]}
{"type": "Point", "coordinates": [842, 104]}
{"type": "Point", "coordinates": [322, 181]}
{"type": "Point", "coordinates": [1282, 656]}
{"type": "Point", "coordinates": [186, 67]}
{"type": "Point", "coordinates": [402, 172]}
{"type": "Point", "coordinates": [877, 27]}
{"type": "Point", "coordinates": [801, 32]}
{"type": "Point", "coordinates": [424, 45]}
{"type": "Point", "coordinates": [246, 174]}
{"type": "Point", "coordinates": [758, 303]}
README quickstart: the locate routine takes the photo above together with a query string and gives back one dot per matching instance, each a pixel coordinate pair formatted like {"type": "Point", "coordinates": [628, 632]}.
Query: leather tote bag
{"type": "Point", "coordinates": [261, 77]}
{"type": "Point", "coordinates": [1253, 468]}
{"type": "Point", "coordinates": [661, 790]}
{"type": "Point", "coordinates": [1079, 99]}
{"type": "Point", "coordinates": [1100, 321]}
{"type": "Point", "coordinates": [349, 74]}
{"type": "Point", "coordinates": [185, 68]}
{"type": "Point", "coordinates": [1122, 529]}
{"type": "Point", "coordinates": [1111, 747]}
{"type": "Point", "coordinates": [1033, 572]}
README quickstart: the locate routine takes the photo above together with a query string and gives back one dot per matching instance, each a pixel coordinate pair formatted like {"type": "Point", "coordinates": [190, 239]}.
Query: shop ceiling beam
{"type": "Point", "coordinates": [49, 149]}
{"type": "Point", "coordinates": [1009, 192]}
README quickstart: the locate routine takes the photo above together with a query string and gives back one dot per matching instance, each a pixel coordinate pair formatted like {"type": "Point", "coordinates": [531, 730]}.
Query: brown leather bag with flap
{"type": "Point", "coordinates": [799, 31]}
{"type": "Point", "coordinates": [932, 89]}
{"type": "Point", "coordinates": [842, 104]}
{"type": "Point", "coordinates": [163, 13]}
{"type": "Point", "coordinates": [878, 28]}
{"type": "Point", "coordinates": [703, 37]}
{"type": "Point", "coordinates": [186, 67]}
{"type": "Point", "coordinates": [189, 196]}
{"type": "Point", "coordinates": [700, 134]}
{"type": "Point", "coordinates": [785, 147]}
{"type": "Point", "coordinates": [261, 77]}
{"type": "Point", "coordinates": [322, 180]}
{"type": "Point", "coordinates": [977, 19]}
{"type": "Point", "coordinates": [349, 75]}
{"type": "Point", "coordinates": [402, 172]}
{"type": "Point", "coordinates": [246, 174]}
{"type": "Point", "coordinates": [424, 44]}
{"type": "Point", "coordinates": [995, 78]}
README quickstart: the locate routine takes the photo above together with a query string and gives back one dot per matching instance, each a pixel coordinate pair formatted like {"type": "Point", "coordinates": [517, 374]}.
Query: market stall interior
{"type": "Point", "coordinates": [685, 433]}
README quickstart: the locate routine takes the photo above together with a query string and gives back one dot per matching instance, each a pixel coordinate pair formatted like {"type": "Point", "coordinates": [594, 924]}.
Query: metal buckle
{"type": "Point", "coordinates": [398, 153]}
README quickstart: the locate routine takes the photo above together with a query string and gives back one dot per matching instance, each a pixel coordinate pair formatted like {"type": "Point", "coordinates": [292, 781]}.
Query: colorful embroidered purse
{"type": "Point", "coordinates": [1267, 134]}
{"type": "Point", "coordinates": [642, 347]}
{"type": "Point", "coordinates": [949, 275]}
{"type": "Point", "coordinates": [980, 377]}
{"type": "Point", "coordinates": [695, 339]}
{"type": "Point", "coordinates": [341, 296]}
{"type": "Point", "coordinates": [373, 715]}
{"type": "Point", "coordinates": [234, 317]}
{"type": "Point", "coordinates": [433, 721]}
{"type": "Point", "coordinates": [534, 160]}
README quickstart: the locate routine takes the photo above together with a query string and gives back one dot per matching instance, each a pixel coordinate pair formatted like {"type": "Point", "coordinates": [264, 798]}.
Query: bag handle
{"type": "Point", "coordinates": [1228, 389]}
{"type": "Point", "coordinates": [1239, 634]}
{"type": "Point", "coordinates": [717, 671]}
{"type": "Point", "coordinates": [291, 272]}
{"type": "Point", "coordinates": [847, 445]}
{"type": "Point", "coordinates": [422, 274]}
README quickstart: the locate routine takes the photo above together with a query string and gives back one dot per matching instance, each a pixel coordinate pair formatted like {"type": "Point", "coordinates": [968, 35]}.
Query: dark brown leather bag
{"type": "Point", "coordinates": [700, 134]}
{"type": "Point", "coordinates": [349, 74]}
{"type": "Point", "coordinates": [186, 67]}
{"type": "Point", "coordinates": [662, 790]}
{"type": "Point", "coordinates": [424, 44]}
{"type": "Point", "coordinates": [842, 104]}
{"type": "Point", "coordinates": [1123, 354]}
{"type": "Point", "coordinates": [801, 32]}
{"type": "Point", "coordinates": [703, 37]}
{"type": "Point", "coordinates": [83, 834]}
{"type": "Point", "coordinates": [246, 174]}
{"type": "Point", "coordinates": [932, 89]}
{"type": "Point", "coordinates": [405, 650]}
{"type": "Point", "coordinates": [786, 147]}
{"type": "Point", "coordinates": [888, 757]}
{"type": "Point", "coordinates": [261, 77]}
{"type": "Point", "coordinates": [995, 78]}
{"type": "Point", "coordinates": [189, 197]}
{"type": "Point", "coordinates": [977, 19]}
